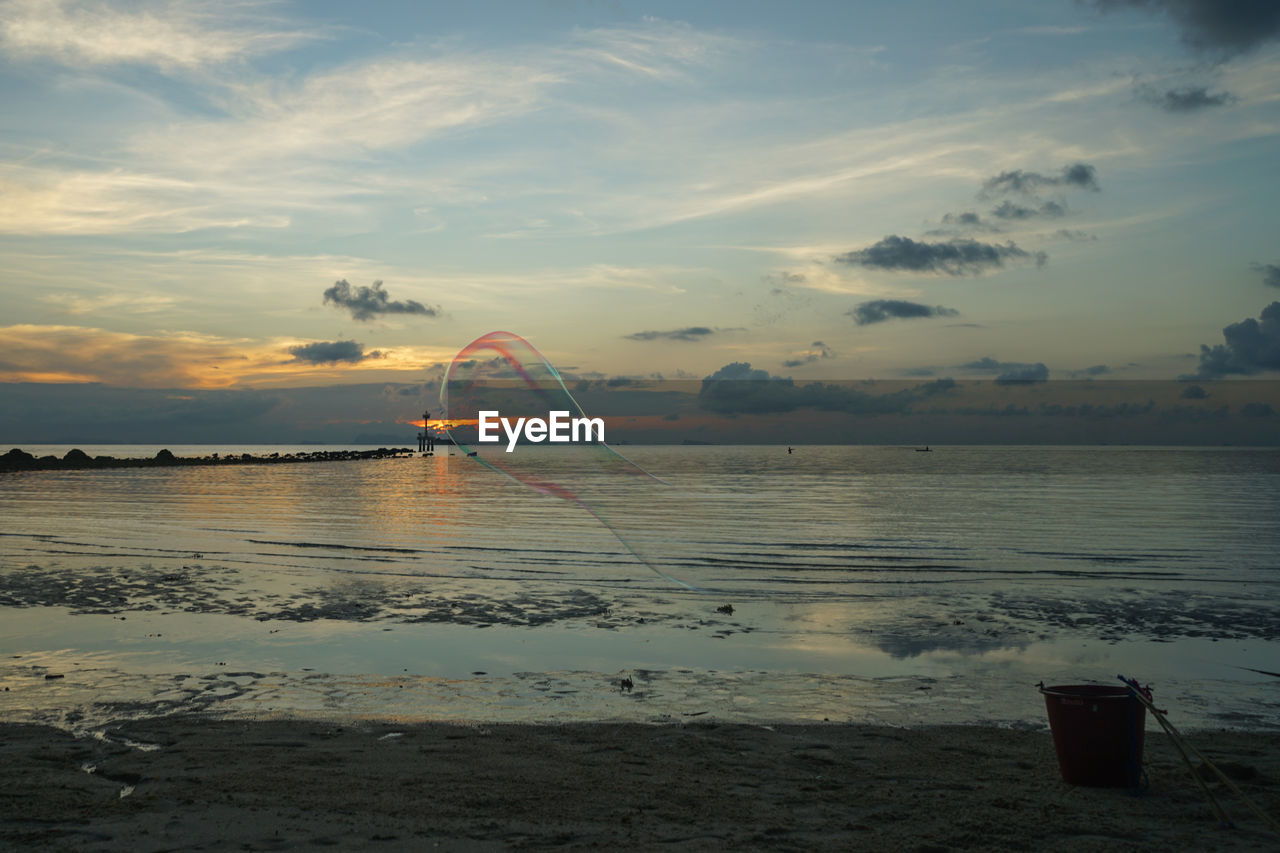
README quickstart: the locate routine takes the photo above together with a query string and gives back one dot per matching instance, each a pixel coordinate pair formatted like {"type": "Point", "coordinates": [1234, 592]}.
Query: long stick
{"type": "Point", "coordinates": [1181, 743]}
{"type": "Point", "coordinates": [1223, 818]}
{"type": "Point", "coordinates": [1226, 780]}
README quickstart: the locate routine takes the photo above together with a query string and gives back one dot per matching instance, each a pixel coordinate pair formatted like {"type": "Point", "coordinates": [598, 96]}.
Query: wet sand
{"type": "Point", "coordinates": [289, 784]}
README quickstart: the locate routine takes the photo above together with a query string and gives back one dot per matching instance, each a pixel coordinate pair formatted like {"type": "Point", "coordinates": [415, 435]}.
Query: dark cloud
{"type": "Point", "coordinates": [986, 364]}
{"type": "Point", "coordinates": [1009, 210]}
{"type": "Point", "coordinates": [332, 352]}
{"type": "Point", "coordinates": [818, 351]}
{"type": "Point", "coordinates": [1193, 392]}
{"type": "Point", "coordinates": [965, 219]}
{"type": "Point", "coordinates": [1093, 370]}
{"type": "Point", "coordinates": [1009, 372]}
{"type": "Point", "coordinates": [1257, 410]}
{"type": "Point", "coordinates": [1270, 273]}
{"type": "Point", "coordinates": [1186, 100]}
{"type": "Point", "coordinates": [1251, 346]}
{"type": "Point", "coordinates": [880, 310]}
{"type": "Point", "coordinates": [1079, 175]}
{"type": "Point", "coordinates": [407, 390]}
{"type": "Point", "coordinates": [365, 303]}
{"type": "Point", "coordinates": [954, 257]}
{"type": "Point", "coordinates": [1075, 236]}
{"type": "Point", "coordinates": [740, 389]}
{"type": "Point", "coordinates": [1025, 374]}
{"type": "Point", "coordinates": [692, 333]}
{"type": "Point", "coordinates": [1223, 27]}
{"type": "Point", "coordinates": [740, 370]}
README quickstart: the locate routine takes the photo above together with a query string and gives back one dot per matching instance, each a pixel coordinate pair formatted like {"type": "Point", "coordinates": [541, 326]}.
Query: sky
{"type": "Point", "coordinates": [261, 196]}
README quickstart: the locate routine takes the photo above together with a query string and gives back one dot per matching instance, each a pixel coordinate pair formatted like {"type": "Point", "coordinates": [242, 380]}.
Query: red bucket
{"type": "Point", "coordinates": [1097, 732]}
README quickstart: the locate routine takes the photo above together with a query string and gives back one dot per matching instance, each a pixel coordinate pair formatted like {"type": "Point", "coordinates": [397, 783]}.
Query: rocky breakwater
{"type": "Point", "coordinates": [19, 460]}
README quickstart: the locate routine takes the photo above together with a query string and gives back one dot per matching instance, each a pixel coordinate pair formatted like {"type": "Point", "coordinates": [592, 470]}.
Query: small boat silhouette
{"type": "Point", "coordinates": [924, 449]}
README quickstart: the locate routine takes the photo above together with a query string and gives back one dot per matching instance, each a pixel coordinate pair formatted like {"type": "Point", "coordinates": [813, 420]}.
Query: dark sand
{"type": "Point", "coordinates": [279, 785]}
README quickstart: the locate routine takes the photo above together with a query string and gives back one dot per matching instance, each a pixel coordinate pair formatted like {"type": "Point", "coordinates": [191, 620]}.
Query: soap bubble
{"type": "Point", "coordinates": [503, 373]}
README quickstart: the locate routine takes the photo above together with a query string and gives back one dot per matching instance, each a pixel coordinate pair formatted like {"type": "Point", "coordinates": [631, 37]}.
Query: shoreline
{"type": "Point", "coordinates": [192, 781]}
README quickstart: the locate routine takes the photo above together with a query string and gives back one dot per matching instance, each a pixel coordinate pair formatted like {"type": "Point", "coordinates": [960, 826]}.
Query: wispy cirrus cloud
{"type": "Point", "coordinates": [97, 303]}
{"type": "Point", "coordinates": [361, 107]}
{"type": "Point", "coordinates": [277, 148]}
{"type": "Point", "coordinates": [180, 34]}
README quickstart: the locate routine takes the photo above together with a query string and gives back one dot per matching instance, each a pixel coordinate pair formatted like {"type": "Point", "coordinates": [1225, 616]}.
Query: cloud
{"type": "Point", "coordinates": [1010, 372]}
{"type": "Point", "coordinates": [741, 370]}
{"type": "Point", "coordinates": [365, 303]}
{"type": "Point", "coordinates": [817, 351]}
{"type": "Point", "coordinates": [986, 364]}
{"type": "Point", "coordinates": [1257, 410]}
{"type": "Point", "coordinates": [1185, 100]}
{"type": "Point", "coordinates": [1009, 210]}
{"type": "Point", "coordinates": [1078, 175]}
{"type": "Point", "coordinates": [1076, 236]}
{"type": "Point", "coordinates": [691, 333]}
{"type": "Point", "coordinates": [49, 353]}
{"type": "Point", "coordinates": [967, 218]}
{"type": "Point", "coordinates": [186, 34]}
{"type": "Point", "coordinates": [1093, 370]}
{"type": "Point", "coordinates": [954, 257]}
{"type": "Point", "coordinates": [962, 222]}
{"type": "Point", "coordinates": [738, 388]}
{"type": "Point", "coordinates": [1224, 27]}
{"type": "Point", "coordinates": [1021, 375]}
{"type": "Point", "coordinates": [416, 390]}
{"type": "Point", "coordinates": [179, 359]}
{"type": "Point", "coordinates": [104, 303]}
{"type": "Point", "coordinates": [332, 352]}
{"type": "Point", "coordinates": [1250, 346]}
{"type": "Point", "coordinates": [1270, 273]}
{"type": "Point", "coordinates": [1193, 392]}
{"type": "Point", "coordinates": [880, 310]}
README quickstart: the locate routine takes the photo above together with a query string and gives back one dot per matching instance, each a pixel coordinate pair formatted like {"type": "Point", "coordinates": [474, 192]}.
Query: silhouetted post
{"type": "Point", "coordinates": [426, 443]}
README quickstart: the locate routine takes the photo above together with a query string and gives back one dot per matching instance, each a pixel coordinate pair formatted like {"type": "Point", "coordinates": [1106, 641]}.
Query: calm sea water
{"type": "Point", "coordinates": [865, 582]}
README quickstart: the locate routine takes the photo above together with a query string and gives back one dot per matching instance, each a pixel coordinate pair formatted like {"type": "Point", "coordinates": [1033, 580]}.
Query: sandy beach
{"type": "Point", "coordinates": [187, 782]}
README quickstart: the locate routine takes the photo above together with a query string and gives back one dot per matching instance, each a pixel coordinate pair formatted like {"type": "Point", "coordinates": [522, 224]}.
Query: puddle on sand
{"type": "Point", "coordinates": [655, 696]}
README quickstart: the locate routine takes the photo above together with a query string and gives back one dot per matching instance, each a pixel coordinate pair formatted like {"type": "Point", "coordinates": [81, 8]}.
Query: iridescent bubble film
{"type": "Point", "coordinates": [504, 375]}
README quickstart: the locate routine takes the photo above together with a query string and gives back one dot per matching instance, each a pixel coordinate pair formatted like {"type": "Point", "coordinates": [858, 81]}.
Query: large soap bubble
{"type": "Point", "coordinates": [502, 372]}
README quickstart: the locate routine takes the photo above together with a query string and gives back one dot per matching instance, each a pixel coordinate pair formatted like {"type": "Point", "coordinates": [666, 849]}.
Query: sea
{"type": "Point", "coordinates": [756, 584]}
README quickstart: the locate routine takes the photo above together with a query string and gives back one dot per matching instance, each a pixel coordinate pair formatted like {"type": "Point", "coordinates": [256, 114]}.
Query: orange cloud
{"type": "Point", "coordinates": [34, 353]}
